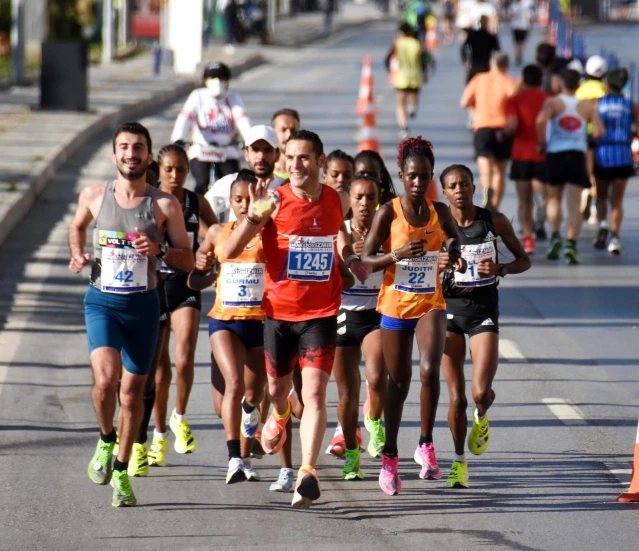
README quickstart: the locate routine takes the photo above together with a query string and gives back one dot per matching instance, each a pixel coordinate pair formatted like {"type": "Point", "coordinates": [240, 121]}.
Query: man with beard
{"type": "Point", "coordinates": [261, 153]}
{"type": "Point", "coordinates": [122, 306]}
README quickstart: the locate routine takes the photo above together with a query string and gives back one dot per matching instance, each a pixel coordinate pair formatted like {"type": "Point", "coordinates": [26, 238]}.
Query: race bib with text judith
{"type": "Point", "coordinates": [310, 258]}
{"type": "Point", "coordinates": [242, 284]}
{"type": "Point", "coordinates": [124, 270]}
{"type": "Point", "coordinates": [417, 275]}
{"type": "Point", "coordinates": [473, 255]}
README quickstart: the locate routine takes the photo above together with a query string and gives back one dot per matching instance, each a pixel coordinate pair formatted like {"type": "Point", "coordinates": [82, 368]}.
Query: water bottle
{"type": "Point", "coordinates": [265, 204]}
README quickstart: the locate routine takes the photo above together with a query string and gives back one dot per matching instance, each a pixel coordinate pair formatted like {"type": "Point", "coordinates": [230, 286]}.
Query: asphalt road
{"type": "Point", "coordinates": [564, 422]}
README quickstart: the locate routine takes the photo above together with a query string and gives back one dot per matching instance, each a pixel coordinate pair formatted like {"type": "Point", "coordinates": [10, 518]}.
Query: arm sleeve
{"type": "Point", "coordinates": [186, 119]}
{"type": "Point", "coordinates": [242, 121]}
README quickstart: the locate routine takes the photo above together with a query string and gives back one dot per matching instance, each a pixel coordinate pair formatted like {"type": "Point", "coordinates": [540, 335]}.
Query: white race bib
{"type": "Point", "coordinates": [417, 275]}
{"type": "Point", "coordinates": [473, 255]}
{"type": "Point", "coordinates": [123, 269]}
{"type": "Point", "coordinates": [310, 258]}
{"type": "Point", "coordinates": [165, 268]}
{"type": "Point", "coordinates": [242, 284]}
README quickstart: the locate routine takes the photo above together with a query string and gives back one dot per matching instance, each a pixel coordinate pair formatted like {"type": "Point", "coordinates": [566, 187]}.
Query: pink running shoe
{"type": "Point", "coordinates": [389, 480]}
{"type": "Point", "coordinates": [425, 456]}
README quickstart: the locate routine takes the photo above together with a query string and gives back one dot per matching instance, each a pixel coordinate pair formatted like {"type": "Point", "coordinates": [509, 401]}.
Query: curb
{"type": "Point", "coordinates": [42, 174]}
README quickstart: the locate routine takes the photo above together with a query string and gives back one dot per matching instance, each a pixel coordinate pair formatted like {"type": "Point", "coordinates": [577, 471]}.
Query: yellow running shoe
{"type": "Point", "coordinates": [157, 452]}
{"type": "Point", "coordinates": [458, 477]}
{"type": "Point", "coordinates": [123, 495]}
{"type": "Point", "coordinates": [479, 436]}
{"type": "Point", "coordinates": [139, 460]}
{"type": "Point", "coordinates": [184, 439]}
{"type": "Point", "coordinates": [352, 469]}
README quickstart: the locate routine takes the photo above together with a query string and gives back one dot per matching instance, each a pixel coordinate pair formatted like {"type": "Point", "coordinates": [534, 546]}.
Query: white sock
{"type": "Point", "coordinates": [461, 458]}
{"type": "Point", "coordinates": [161, 434]}
{"type": "Point", "coordinates": [477, 417]}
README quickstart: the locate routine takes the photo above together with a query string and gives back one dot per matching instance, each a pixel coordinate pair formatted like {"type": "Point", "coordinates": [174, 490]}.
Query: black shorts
{"type": "Point", "coordinates": [179, 295]}
{"type": "Point", "coordinates": [528, 170]}
{"type": "Point", "coordinates": [614, 172]}
{"type": "Point", "coordinates": [567, 167]}
{"type": "Point", "coordinates": [492, 142]}
{"type": "Point", "coordinates": [354, 325]}
{"type": "Point", "coordinates": [520, 35]}
{"type": "Point", "coordinates": [472, 325]}
{"type": "Point", "coordinates": [311, 342]}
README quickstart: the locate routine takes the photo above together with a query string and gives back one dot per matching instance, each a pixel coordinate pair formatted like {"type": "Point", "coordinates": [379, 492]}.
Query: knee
{"type": "Point", "coordinates": [429, 373]}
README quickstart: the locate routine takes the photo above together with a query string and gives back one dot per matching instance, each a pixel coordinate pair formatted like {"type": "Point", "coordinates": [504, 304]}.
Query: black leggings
{"type": "Point", "coordinates": [202, 172]}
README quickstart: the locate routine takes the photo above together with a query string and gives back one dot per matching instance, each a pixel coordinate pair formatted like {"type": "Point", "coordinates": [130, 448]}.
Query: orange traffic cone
{"type": "Point", "coordinates": [365, 86]}
{"type": "Point", "coordinates": [633, 492]}
{"type": "Point", "coordinates": [368, 140]}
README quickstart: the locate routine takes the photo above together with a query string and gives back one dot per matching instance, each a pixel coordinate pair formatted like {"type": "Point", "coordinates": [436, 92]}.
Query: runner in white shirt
{"type": "Point", "coordinates": [261, 154]}
{"type": "Point", "coordinates": [520, 14]}
{"type": "Point", "coordinates": [213, 120]}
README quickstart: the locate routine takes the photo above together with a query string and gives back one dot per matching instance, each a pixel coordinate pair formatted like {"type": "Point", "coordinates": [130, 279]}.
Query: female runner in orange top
{"type": "Point", "coordinates": [412, 230]}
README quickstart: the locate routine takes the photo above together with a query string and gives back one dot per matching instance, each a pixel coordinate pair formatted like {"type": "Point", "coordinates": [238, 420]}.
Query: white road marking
{"type": "Point", "coordinates": [565, 412]}
{"type": "Point", "coordinates": [509, 350]}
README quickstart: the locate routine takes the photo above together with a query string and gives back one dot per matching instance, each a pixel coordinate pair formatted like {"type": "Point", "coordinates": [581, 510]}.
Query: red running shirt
{"type": "Point", "coordinates": [300, 245]}
{"type": "Point", "coordinates": [526, 106]}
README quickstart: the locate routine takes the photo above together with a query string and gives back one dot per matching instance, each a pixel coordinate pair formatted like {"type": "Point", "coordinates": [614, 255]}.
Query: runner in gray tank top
{"type": "Point", "coordinates": [122, 307]}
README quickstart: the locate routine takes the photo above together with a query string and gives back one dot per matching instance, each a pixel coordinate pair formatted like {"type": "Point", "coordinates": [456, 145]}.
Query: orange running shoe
{"type": "Point", "coordinates": [274, 430]}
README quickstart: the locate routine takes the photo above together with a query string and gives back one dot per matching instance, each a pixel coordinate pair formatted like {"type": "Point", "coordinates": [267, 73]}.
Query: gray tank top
{"type": "Point", "coordinates": [117, 267]}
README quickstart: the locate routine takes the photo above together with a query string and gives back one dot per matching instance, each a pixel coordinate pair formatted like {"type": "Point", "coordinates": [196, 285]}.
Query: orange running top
{"type": "Point", "coordinates": [411, 287]}
{"type": "Point", "coordinates": [240, 282]}
{"type": "Point", "coordinates": [302, 272]}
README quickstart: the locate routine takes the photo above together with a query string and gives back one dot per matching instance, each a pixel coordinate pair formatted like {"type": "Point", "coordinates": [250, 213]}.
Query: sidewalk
{"type": "Point", "coordinates": [34, 144]}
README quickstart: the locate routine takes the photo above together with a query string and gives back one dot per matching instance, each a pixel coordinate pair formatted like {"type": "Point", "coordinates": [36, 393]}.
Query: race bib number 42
{"type": "Point", "coordinates": [473, 255]}
{"type": "Point", "coordinates": [124, 270]}
{"type": "Point", "coordinates": [417, 275]}
{"type": "Point", "coordinates": [242, 284]}
{"type": "Point", "coordinates": [310, 258]}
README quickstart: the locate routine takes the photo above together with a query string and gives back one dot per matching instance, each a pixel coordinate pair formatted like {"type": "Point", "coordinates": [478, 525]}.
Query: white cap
{"type": "Point", "coordinates": [596, 66]}
{"type": "Point", "coordinates": [262, 132]}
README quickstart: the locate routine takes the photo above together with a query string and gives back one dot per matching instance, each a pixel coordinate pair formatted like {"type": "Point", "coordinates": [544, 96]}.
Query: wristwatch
{"type": "Point", "coordinates": [350, 259]}
{"type": "Point", "coordinates": [162, 252]}
{"type": "Point", "coordinates": [503, 270]}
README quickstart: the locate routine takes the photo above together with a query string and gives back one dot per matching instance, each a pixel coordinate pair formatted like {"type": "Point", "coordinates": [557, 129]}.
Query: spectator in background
{"type": "Point", "coordinates": [520, 14]}
{"type": "Point", "coordinates": [527, 168]}
{"type": "Point", "coordinates": [479, 47]}
{"type": "Point", "coordinates": [488, 93]}
{"type": "Point", "coordinates": [592, 88]}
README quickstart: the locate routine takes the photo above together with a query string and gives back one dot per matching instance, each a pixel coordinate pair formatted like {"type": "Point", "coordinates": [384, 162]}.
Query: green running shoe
{"type": "Point", "coordinates": [553, 248]}
{"type": "Point", "coordinates": [123, 495]}
{"type": "Point", "coordinates": [479, 436]}
{"type": "Point", "coordinates": [100, 468]}
{"type": "Point", "coordinates": [458, 477]}
{"type": "Point", "coordinates": [378, 438]}
{"type": "Point", "coordinates": [352, 470]}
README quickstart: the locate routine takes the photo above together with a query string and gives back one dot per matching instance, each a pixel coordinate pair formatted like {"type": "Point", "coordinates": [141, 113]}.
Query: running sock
{"type": "Point", "coordinates": [234, 448]}
{"type": "Point", "coordinates": [163, 435]}
{"type": "Point", "coordinates": [461, 458]}
{"type": "Point", "coordinates": [287, 414]}
{"type": "Point", "coordinates": [247, 406]}
{"type": "Point", "coordinates": [108, 438]}
{"type": "Point", "coordinates": [425, 440]}
{"type": "Point", "coordinates": [389, 452]}
{"type": "Point", "coordinates": [120, 465]}
{"type": "Point", "coordinates": [478, 417]}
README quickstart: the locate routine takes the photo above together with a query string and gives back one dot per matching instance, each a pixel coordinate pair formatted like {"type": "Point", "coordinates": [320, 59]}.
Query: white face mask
{"type": "Point", "coordinates": [217, 87]}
